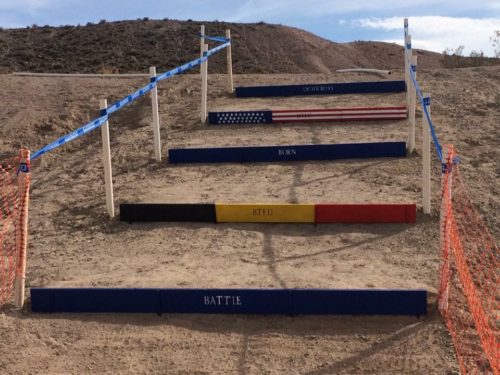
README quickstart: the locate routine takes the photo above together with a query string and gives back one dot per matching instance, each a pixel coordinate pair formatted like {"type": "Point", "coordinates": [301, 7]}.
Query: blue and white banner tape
{"type": "Point", "coordinates": [130, 98]}
{"type": "Point", "coordinates": [94, 124]}
{"type": "Point", "coordinates": [192, 63]}
{"type": "Point", "coordinates": [219, 39]}
{"type": "Point", "coordinates": [427, 114]}
{"type": "Point", "coordinates": [123, 102]}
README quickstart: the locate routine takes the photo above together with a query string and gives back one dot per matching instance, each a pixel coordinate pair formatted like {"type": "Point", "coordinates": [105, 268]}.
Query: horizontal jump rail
{"type": "Point", "coordinates": [81, 75]}
{"type": "Point", "coordinates": [374, 87]}
{"type": "Point", "coordinates": [363, 213]}
{"type": "Point", "coordinates": [231, 301]}
{"type": "Point", "coordinates": [286, 153]}
{"type": "Point", "coordinates": [307, 115]}
{"type": "Point", "coordinates": [364, 70]}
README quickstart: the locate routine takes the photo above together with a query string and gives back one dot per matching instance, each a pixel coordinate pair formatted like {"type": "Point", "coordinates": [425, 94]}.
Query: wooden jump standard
{"type": "Point", "coordinates": [307, 115]}
{"type": "Point", "coordinates": [230, 301]}
{"type": "Point", "coordinates": [268, 213]}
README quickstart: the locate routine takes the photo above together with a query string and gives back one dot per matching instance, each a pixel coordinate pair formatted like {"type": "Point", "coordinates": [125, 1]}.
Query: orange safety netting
{"type": "Point", "coordinates": [13, 198]}
{"type": "Point", "coordinates": [468, 292]}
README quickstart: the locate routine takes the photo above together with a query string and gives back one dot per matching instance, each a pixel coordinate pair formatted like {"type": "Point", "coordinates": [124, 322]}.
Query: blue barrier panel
{"type": "Point", "coordinates": [375, 87]}
{"type": "Point", "coordinates": [240, 117]}
{"type": "Point", "coordinates": [287, 153]}
{"type": "Point", "coordinates": [231, 301]}
{"type": "Point", "coordinates": [227, 301]}
{"type": "Point", "coordinates": [95, 300]}
{"type": "Point", "coordinates": [360, 301]}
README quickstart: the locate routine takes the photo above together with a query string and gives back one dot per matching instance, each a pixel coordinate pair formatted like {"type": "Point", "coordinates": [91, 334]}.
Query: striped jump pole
{"type": "Point", "coordinates": [426, 157]}
{"type": "Point", "coordinates": [307, 115]}
{"type": "Point", "coordinates": [202, 45]}
{"type": "Point", "coordinates": [408, 54]}
{"type": "Point", "coordinates": [411, 110]}
{"type": "Point", "coordinates": [313, 213]}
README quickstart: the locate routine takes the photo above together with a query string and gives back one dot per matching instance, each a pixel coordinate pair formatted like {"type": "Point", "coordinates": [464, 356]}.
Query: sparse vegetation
{"type": "Point", "coordinates": [454, 58]}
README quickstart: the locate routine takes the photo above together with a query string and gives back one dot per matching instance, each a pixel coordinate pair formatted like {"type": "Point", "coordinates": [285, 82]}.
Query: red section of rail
{"type": "Point", "coordinates": [365, 213]}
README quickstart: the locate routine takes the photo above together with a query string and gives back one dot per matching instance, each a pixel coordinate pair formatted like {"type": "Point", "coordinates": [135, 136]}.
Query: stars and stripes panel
{"type": "Point", "coordinates": [308, 115]}
{"type": "Point", "coordinates": [240, 117]}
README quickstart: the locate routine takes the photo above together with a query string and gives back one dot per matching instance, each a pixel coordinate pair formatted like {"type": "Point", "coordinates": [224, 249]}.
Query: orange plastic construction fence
{"type": "Point", "coordinates": [468, 291]}
{"type": "Point", "coordinates": [14, 193]}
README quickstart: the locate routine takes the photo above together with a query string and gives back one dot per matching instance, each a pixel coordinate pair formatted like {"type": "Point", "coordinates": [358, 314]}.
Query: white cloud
{"type": "Point", "coordinates": [252, 10]}
{"type": "Point", "coordinates": [26, 5]}
{"type": "Point", "coordinates": [436, 33]}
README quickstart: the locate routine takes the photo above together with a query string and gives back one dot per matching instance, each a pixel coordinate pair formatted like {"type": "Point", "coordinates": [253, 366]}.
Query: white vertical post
{"type": "Point", "coordinates": [23, 181]}
{"type": "Point", "coordinates": [405, 52]}
{"type": "Point", "coordinates": [426, 157]}
{"type": "Point", "coordinates": [156, 115]}
{"type": "Point", "coordinates": [408, 54]}
{"type": "Point", "coordinates": [229, 64]}
{"type": "Point", "coordinates": [204, 86]}
{"type": "Point", "coordinates": [411, 109]}
{"type": "Point", "coordinates": [106, 159]}
{"type": "Point", "coordinates": [202, 44]}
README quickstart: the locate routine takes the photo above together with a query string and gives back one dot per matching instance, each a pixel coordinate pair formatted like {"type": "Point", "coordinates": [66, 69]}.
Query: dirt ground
{"type": "Point", "coordinates": [73, 243]}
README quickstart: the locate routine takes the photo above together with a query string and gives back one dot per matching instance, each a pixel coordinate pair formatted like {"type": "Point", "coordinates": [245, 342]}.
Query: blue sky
{"type": "Point", "coordinates": [434, 25]}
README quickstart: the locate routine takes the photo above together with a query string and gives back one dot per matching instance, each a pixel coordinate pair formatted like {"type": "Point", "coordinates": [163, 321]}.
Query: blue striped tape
{"type": "Point", "coordinates": [192, 63]}
{"type": "Point", "coordinates": [130, 98]}
{"type": "Point", "coordinates": [423, 102]}
{"type": "Point", "coordinates": [94, 124]}
{"type": "Point", "coordinates": [123, 102]}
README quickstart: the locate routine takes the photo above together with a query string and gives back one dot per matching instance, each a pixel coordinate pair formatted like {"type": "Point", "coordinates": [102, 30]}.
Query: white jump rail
{"type": "Point", "coordinates": [365, 70]}
{"type": "Point", "coordinates": [80, 75]}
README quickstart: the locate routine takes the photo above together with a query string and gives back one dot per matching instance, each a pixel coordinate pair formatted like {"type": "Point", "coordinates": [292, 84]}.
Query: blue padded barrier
{"type": "Point", "coordinates": [375, 87]}
{"type": "Point", "coordinates": [231, 301]}
{"type": "Point", "coordinates": [287, 153]}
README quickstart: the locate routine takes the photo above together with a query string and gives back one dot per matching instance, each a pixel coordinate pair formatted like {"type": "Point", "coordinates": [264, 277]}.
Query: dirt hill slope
{"type": "Point", "coordinates": [133, 46]}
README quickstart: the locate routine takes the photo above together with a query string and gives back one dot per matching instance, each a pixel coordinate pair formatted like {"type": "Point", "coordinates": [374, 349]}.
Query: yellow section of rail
{"type": "Point", "coordinates": [264, 213]}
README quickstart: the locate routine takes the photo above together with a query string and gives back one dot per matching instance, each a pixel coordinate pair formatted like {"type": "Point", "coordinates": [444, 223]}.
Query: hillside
{"type": "Point", "coordinates": [133, 46]}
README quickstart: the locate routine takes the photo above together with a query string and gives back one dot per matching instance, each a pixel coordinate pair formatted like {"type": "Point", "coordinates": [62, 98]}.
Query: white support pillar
{"type": "Point", "coordinates": [204, 86]}
{"type": "Point", "coordinates": [106, 159]}
{"type": "Point", "coordinates": [408, 54]}
{"type": "Point", "coordinates": [426, 157]}
{"type": "Point", "coordinates": [230, 88]}
{"type": "Point", "coordinates": [202, 43]}
{"type": "Point", "coordinates": [411, 109]}
{"type": "Point", "coordinates": [156, 115]}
